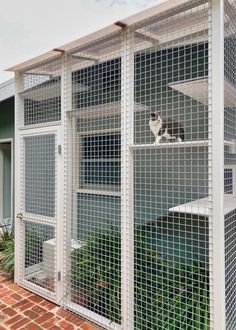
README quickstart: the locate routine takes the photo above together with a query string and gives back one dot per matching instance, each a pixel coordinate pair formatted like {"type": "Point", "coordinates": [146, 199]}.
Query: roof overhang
{"type": "Point", "coordinates": [161, 7]}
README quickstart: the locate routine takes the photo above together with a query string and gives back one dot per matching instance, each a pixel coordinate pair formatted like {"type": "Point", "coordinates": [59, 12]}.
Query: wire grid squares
{"type": "Point", "coordinates": [41, 94]}
{"type": "Point", "coordinates": [94, 178]}
{"type": "Point", "coordinates": [171, 264]}
{"type": "Point", "coordinates": [229, 158]}
{"type": "Point", "coordinates": [167, 61]}
{"type": "Point", "coordinates": [39, 257]}
{"type": "Point", "coordinates": [39, 177]}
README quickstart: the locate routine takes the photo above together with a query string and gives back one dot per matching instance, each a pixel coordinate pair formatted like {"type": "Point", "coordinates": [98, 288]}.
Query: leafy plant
{"type": "Point", "coordinates": [7, 251]}
{"type": "Point", "coordinates": [169, 293]}
{"type": "Point", "coordinates": [96, 271]}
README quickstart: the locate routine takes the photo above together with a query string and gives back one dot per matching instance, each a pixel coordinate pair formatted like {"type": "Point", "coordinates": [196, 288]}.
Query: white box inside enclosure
{"type": "Point", "coordinates": [49, 254]}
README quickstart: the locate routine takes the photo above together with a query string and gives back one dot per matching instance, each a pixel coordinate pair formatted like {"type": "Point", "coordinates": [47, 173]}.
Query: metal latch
{"type": "Point", "coordinates": [19, 216]}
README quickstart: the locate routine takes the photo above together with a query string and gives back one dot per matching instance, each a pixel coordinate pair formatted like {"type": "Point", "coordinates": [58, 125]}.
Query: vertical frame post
{"type": "Point", "coordinates": [216, 164]}
{"type": "Point", "coordinates": [59, 225]}
{"type": "Point", "coordinates": [127, 217]}
{"type": "Point", "coordinates": [66, 131]}
{"type": "Point", "coordinates": [19, 106]}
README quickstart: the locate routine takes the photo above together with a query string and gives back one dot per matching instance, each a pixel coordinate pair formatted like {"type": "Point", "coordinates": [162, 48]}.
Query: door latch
{"type": "Point", "coordinates": [19, 216]}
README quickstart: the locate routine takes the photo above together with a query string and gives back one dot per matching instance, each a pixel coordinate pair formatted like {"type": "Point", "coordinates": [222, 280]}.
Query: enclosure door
{"type": "Point", "coordinates": [37, 211]}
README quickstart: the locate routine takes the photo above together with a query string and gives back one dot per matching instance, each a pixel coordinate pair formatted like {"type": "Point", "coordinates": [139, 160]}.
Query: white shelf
{"type": "Point", "coordinates": [99, 192]}
{"type": "Point", "coordinates": [202, 206]}
{"type": "Point", "coordinates": [186, 144]}
{"type": "Point", "coordinates": [49, 90]}
{"type": "Point", "coordinates": [103, 110]}
{"type": "Point", "coordinates": [197, 89]}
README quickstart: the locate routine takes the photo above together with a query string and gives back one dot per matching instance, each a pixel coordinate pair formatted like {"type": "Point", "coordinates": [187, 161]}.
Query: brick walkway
{"type": "Point", "coordinates": [20, 309]}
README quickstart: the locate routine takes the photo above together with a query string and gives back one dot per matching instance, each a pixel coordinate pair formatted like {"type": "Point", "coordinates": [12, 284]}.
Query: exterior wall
{"type": "Point", "coordinates": [7, 119]}
{"type": "Point", "coordinates": [7, 132]}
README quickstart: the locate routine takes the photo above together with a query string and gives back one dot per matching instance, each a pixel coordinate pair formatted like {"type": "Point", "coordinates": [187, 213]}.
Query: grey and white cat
{"type": "Point", "coordinates": [165, 127]}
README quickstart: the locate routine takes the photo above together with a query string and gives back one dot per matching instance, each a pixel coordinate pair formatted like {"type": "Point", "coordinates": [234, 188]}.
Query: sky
{"type": "Point", "coordinates": [29, 28]}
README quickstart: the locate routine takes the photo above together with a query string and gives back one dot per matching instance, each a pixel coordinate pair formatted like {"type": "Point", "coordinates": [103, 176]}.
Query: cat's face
{"type": "Point", "coordinates": [155, 116]}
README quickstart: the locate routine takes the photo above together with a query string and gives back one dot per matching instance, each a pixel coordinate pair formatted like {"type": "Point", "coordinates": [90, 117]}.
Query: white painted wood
{"type": "Point", "coordinates": [186, 144]}
{"type": "Point", "coordinates": [19, 83]}
{"type": "Point", "coordinates": [46, 91]}
{"type": "Point", "coordinates": [99, 192]}
{"type": "Point", "coordinates": [127, 199]}
{"type": "Point", "coordinates": [94, 317]}
{"type": "Point", "coordinates": [216, 166]}
{"type": "Point", "coordinates": [202, 206]}
{"type": "Point", "coordinates": [104, 110]}
{"type": "Point", "coordinates": [197, 89]}
{"type": "Point", "coordinates": [161, 7]}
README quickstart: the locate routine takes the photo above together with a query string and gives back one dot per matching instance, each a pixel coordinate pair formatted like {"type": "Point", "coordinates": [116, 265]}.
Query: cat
{"type": "Point", "coordinates": [165, 127]}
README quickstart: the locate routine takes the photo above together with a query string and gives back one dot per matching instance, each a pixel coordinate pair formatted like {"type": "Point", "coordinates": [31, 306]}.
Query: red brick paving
{"type": "Point", "coordinates": [23, 310]}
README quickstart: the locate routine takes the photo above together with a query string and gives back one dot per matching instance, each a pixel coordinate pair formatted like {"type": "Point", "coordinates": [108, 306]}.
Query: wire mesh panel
{"type": "Point", "coordinates": [39, 256]}
{"type": "Point", "coordinates": [138, 119]}
{"type": "Point", "coordinates": [39, 106]}
{"type": "Point", "coordinates": [41, 94]}
{"type": "Point", "coordinates": [171, 208]}
{"type": "Point", "coordinates": [39, 175]}
{"type": "Point", "coordinates": [93, 252]}
{"type": "Point", "coordinates": [38, 204]}
{"type": "Point", "coordinates": [230, 160]}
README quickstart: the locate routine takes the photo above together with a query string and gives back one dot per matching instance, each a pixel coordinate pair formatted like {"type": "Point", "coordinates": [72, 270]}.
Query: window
{"type": "Point", "coordinates": [100, 161]}
{"type": "Point", "coordinates": [228, 181]}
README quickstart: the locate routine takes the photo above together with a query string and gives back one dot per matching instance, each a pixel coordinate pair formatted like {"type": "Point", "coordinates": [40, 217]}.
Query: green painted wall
{"type": "Point", "coordinates": [163, 178]}
{"type": "Point", "coordinates": [7, 119]}
{"type": "Point", "coordinates": [7, 183]}
{"type": "Point", "coordinates": [6, 132]}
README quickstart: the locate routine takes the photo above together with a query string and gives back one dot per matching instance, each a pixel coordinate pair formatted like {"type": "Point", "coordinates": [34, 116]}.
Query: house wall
{"type": "Point", "coordinates": [7, 119]}
{"type": "Point", "coordinates": [7, 132]}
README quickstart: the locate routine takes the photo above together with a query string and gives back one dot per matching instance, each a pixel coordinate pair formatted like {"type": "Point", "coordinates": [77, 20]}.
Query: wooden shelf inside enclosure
{"type": "Point", "coordinates": [103, 110]}
{"type": "Point", "coordinates": [197, 89]}
{"type": "Point", "coordinates": [186, 144]}
{"type": "Point", "coordinates": [49, 90]}
{"type": "Point", "coordinates": [98, 192]}
{"type": "Point", "coordinates": [202, 206]}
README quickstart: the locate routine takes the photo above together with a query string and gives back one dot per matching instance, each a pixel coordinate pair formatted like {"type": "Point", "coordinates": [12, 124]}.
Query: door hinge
{"type": "Point", "coordinates": [59, 149]}
{"type": "Point", "coordinates": [59, 276]}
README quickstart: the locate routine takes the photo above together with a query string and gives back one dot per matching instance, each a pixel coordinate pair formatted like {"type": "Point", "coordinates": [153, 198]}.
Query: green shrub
{"type": "Point", "coordinates": [7, 251]}
{"type": "Point", "coordinates": [169, 294]}
{"type": "Point", "coordinates": [96, 271]}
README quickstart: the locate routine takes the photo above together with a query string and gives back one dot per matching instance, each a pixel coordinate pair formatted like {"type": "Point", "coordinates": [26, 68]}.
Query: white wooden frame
{"type": "Point", "coordinates": [105, 190]}
{"type": "Point", "coordinates": [216, 165]}
{"type": "Point", "coordinates": [55, 222]}
{"type": "Point", "coordinates": [215, 143]}
{"type": "Point", "coordinates": [38, 219]}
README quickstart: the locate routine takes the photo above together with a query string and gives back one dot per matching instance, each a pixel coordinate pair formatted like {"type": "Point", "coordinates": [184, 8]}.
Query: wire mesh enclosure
{"type": "Point", "coordinates": [126, 171]}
